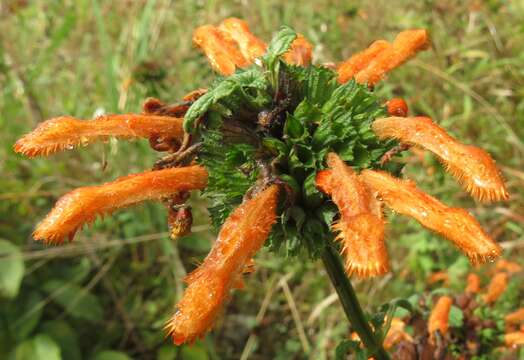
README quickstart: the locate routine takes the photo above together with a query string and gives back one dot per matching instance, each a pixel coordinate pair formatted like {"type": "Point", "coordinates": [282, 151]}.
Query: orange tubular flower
{"type": "Point", "coordinates": [220, 49]}
{"type": "Point", "coordinates": [65, 132]}
{"type": "Point", "coordinates": [439, 276]}
{"type": "Point", "coordinates": [347, 69]}
{"type": "Point", "coordinates": [439, 318]}
{"type": "Point", "coordinates": [83, 205]}
{"type": "Point", "coordinates": [514, 339]}
{"type": "Point", "coordinates": [473, 167]}
{"type": "Point", "coordinates": [301, 52]}
{"type": "Point", "coordinates": [241, 236]}
{"type": "Point", "coordinates": [250, 46]}
{"type": "Point", "coordinates": [396, 334]}
{"type": "Point", "coordinates": [515, 317]}
{"type": "Point", "coordinates": [454, 224]}
{"type": "Point", "coordinates": [508, 266]}
{"type": "Point", "coordinates": [473, 284]}
{"type": "Point", "coordinates": [361, 224]}
{"type": "Point", "coordinates": [406, 45]}
{"type": "Point", "coordinates": [496, 287]}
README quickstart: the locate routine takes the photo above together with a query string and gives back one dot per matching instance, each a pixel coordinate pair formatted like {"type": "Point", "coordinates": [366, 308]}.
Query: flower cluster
{"type": "Point", "coordinates": [284, 150]}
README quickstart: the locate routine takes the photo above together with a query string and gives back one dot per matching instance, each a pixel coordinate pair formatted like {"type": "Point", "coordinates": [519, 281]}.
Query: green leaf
{"type": "Point", "coordinates": [12, 269]}
{"type": "Point", "coordinates": [111, 355]}
{"type": "Point", "coordinates": [294, 128]}
{"type": "Point", "coordinates": [41, 347]}
{"type": "Point", "coordinates": [275, 146]}
{"type": "Point", "coordinates": [23, 314]}
{"type": "Point", "coordinates": [65, 337]}
{"type": "Point", "coordinates": [194, 352]}
{"type": "Point", "coordinates": [456, 317]}
{"type": "Point", "coordinates": [76, 301]}
{"type": "Point", "coordinates": [281, 42]}
{"type": "Point", "coordinates": [312, 197]}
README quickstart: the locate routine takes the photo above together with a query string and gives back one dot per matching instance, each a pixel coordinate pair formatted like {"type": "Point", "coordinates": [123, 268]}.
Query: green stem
{"type": "Point", "coordinates": [350, 303]}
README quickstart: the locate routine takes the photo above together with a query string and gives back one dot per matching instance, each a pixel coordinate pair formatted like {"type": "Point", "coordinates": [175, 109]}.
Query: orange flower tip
{"type": "Point", "coordinates": [397, 107]}
{"type": "Point", "coordinates": [439, 317]}
{"type": "Point", "coordinates": [473, 167]}
{"type": "Point", "coordinates": [514, 339]}
{"type": "Point", "coordinates": [49, 137]}
{"type": "Point", "coordinates": [473, 284]}
{"type": "Point", "coordinates": [508, 266]}
{"type": "Point", "coordinates": [347, 69]}
{"type": "Point", "coordinates": [300, 53]}
{"type": "Point", "coordinates": [496, 287]}
{"type": "Point", "coordinates": [515, 317]}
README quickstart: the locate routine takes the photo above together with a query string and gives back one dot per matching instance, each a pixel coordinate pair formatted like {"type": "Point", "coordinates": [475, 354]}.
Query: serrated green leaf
{"type": "Point", "coordinates": [281, 42]}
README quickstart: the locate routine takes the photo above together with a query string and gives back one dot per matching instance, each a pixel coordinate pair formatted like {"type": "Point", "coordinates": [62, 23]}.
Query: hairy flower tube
{"type": "Point", "coordinates": [439, 317]}
{"type": "Point", "coordinates": [288, 154]}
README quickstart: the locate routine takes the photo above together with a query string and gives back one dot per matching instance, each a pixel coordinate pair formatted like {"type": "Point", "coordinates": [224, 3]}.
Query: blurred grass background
{"type": "Point", "coordinates": [107, 294]}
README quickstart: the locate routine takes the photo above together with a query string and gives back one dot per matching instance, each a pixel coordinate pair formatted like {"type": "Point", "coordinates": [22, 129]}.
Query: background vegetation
{"type": "Point", "coordinates": [107, 294]}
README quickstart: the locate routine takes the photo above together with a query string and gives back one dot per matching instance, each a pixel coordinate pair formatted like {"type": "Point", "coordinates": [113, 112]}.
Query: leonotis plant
{"type": "Point", "coordinates": [289, 154]}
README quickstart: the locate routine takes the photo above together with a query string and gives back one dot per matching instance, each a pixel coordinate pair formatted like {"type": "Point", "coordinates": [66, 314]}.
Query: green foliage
{"type": "Point", "coordinates": [78, 57]}
{"type": "Point", "coordinates": [12, 266]}
{"type": "Point", "coordinates": [325, 116]}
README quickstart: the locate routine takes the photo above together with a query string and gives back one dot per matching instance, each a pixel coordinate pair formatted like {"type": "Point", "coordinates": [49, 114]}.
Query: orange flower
{"type": "Point", "coordinates": [438, 276]}
{"type": "Point", "coordinates": [454, 224]}
{"type": "Point", "coordinates": [473, 284]}
{"type": "Point", "coordinates": [514, 339]}
{"type": "Point", "coordinates": [83, 205]}
{"type": "Point", "coordinates": [515, 317]}
{"type": "Point", "coordinates": [250, 46]}
{"type": "Point", "coordinates": [347, 69]}
{"type": "Point", "coordinates": [397, 107]}
{"type": "Point", "coordinates": [508, 266]}
{"type": "Point", "coordinates": [220, 49]}
{"type": "Point", "coordinates": [406, 45]}
{"type": "Point", "coordinates": [496, 287]}
{"type": "Point", "coordinates": [439, 317]}
{"type": "Point", "coordinates": [361, 225]}
{"type": "Point", "coordinates": [67, 132]}
{"type": "Point", "coordinates": [241, 236]}
{"type": "Point", "coordinates": [396, 334]}
{"type": "Point", "coordinates": [300, 53]}
{"type": "Point", "coordinates": [473, 167]}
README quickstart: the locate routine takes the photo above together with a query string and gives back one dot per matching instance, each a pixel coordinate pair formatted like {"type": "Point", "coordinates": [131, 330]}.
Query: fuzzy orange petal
{"type": "Point", "coordinates": [473, 167]}
{"type": "Point", "coordinates": [439, 317]}
{"type": "Point", "coordinates": [515, 317]}
{"type": "Point", "coordinates": [83, 205]}
{"type": "Point", "coordinates": [300, 53]}
{"type": "Point", "coordinates": [66, 132]}
{"type": "Point", "coordinates": [250, 46]}
{"type": "Point", "coordinates": [361, 225]}
{"type": "Point", "coordinates": [473, 284]}
{"type": "Point", "coordinates": [406, 45]}
{"type": "Point", "coordinates": [496, 287]}
{"type": "Point", "coordinates": [439, 276]}
{"type": "Point", "coordinates": [508, 266]}
{"type": "Point", "coordinates": [221, 50]}
{"type": "Point", "coordinates": [243, 234]}
{"type": "Point", "coordinates": [347, 69]}
{"type": "Point", "coordinates": [514, 339]}
{"type": "Point", "coordinates": [454, 224]}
